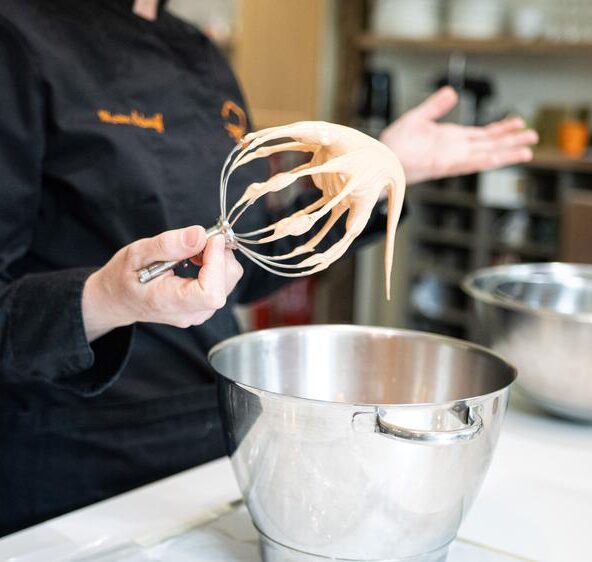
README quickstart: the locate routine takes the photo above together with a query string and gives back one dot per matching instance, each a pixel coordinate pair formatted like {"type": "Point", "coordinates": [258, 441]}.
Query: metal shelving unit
{"type": "Point", "coordinates": [433, 246]}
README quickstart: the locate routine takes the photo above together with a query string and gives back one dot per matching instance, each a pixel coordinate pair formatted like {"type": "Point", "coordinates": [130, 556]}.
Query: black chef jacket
{"type": "Point", "coordinates": [112, 128]}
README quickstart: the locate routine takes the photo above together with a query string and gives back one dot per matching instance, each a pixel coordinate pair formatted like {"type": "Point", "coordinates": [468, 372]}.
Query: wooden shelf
{"type": "Point", "coordinates": [425, 194]}
{"type": "Point", "coordinates": [530, 249]}
{"type": "Point", "coordinates": [539, 208]}
{"type": "Point", "coordinates": [551, 159]}
{"type": "Point", "coordinates": [543, 209]}
{"type": "Point", "coordinates": [446, 273]}
{"type": "Point", "coordinates": [499, 46]}
{"type": "Point", "coordinates": [445, 237]}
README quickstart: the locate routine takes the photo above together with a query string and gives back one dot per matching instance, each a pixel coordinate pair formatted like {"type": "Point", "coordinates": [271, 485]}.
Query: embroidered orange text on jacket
{"type": "Point", "coordinates": [135, 118]}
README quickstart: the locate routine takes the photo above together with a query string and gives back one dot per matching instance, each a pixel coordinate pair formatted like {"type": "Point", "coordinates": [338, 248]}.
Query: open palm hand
{"type": "Point", "coordinates": [430, 150]}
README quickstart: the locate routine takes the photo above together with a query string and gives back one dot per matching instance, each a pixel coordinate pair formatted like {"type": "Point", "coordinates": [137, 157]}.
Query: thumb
{"type": "Point", "coordinates": [438, 104]}
{"type": "Point", "coordinates": [171, 245]}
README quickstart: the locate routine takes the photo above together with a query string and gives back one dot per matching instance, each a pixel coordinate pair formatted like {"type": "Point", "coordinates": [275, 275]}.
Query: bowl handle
{"type": "Point", "coordinates": [469, 431]}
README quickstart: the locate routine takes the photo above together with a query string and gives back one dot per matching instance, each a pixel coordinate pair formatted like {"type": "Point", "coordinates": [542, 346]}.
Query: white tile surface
{"type": "Point", "coordinates": [234, 539]}
{"type": "Point", "coordinates": [536, 503]}
{"type": "Point", "coordinates": [537, 498]}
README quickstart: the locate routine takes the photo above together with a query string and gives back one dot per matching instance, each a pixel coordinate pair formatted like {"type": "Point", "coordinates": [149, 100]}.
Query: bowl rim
{"type": "Point", "coordinates": [457, 342]}
{"type": "Point", "coordinates": [469, 286]}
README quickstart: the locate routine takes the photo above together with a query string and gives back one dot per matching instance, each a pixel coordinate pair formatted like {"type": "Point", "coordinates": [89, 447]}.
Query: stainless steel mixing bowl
{"type": "Point", "coordinates": [356, 443]}
{"type": "Point", "coordinates": [539, 317]}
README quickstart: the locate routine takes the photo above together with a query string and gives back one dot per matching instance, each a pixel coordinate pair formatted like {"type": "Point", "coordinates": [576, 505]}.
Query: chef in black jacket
{"type": "Point", "coordinates": [113, 127]}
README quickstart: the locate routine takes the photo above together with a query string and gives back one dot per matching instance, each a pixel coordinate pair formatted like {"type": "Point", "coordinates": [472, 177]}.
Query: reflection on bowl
{"type": "Point", "coordinates": [359, 443]}
{"type": "Point", "coordinates": [539, 317]}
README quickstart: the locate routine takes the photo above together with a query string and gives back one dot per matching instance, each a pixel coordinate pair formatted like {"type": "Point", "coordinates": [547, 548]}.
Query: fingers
{"type": "Point", "coordinates": [234, 271]}
{"type": "Point", "coordinates": [169, 246]}
{"type": "Point", "coordinates": [499, 158]}
{"type": "Point", "coordinates": [210, 286]}
{"type": "Point", "coordinates": [438, 104]}
{"type": "Point", "coordinates": [503, 143]}
{"type": "Point", "coordinates": [528, 137]}
{"type": "Point", "coordinates": [512, 156]}
{"type": "Point", "coordinates": [199, 299]}
{"type": "Point", "coordinates": [504, 129]}
{"type": "Point", "coordinates": [509, 125]}
{"type": "Point", "coordinates": [169, 299]}
{"type": "Point", "coordinates": [524, 138]}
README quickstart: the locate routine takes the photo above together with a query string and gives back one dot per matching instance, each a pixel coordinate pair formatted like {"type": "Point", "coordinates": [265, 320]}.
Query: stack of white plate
{"type": "Point", "coordinates": [416, 19]}
{"type": "Point", "coordinates": [475, 19]}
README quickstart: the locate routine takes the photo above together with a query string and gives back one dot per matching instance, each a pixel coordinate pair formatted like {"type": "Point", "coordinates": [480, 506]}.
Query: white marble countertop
{"type": "Point", "coordinates": [536, 504]}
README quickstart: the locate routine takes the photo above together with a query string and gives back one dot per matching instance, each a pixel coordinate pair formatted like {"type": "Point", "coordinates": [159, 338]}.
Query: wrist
{"type": "Point", "coordinates": [99, 309]}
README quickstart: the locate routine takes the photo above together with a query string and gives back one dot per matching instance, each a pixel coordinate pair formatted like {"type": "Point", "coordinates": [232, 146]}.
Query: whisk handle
{"type": "Point", "coordinates": [156, 269]}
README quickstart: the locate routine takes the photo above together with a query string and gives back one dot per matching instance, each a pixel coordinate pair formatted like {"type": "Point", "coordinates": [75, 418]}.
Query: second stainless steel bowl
{"type": "Point", "coordinates": [539, 317]}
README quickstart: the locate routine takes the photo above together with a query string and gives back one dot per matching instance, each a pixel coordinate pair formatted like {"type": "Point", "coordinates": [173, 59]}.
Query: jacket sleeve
{"type": "Point", "coordinates": [42, 332]}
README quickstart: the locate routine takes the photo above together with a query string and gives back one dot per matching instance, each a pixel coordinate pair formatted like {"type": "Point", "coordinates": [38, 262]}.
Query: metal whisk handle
{"type": "Point", "coordinates": [156, 269]}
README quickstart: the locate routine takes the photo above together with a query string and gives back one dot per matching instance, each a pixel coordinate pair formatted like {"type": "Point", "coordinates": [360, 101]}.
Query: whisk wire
{"type": "Point", "coordinates": [244, 153]}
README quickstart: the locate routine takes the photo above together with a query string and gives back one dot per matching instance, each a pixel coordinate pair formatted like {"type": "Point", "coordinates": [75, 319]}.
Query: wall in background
{"type": "Point", "coordinates": [522, 83]}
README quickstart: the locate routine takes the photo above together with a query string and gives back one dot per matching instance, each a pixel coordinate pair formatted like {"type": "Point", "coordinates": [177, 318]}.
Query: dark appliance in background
{"type": "Point", "coordinates": [472, 91]}
{"type": "Point", "coordinates": [375, 102]}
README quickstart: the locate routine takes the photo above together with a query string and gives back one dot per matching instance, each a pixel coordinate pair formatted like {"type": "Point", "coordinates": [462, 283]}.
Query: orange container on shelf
{"type": "Point", "coordinates": [572, 137]}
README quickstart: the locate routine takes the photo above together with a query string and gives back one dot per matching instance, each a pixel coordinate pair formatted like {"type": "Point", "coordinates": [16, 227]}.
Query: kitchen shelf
{"type": "Point", "coordinates": [446, 252]}
{"type": "Point", "coordinates": [543, 209]}
{"type": "Point", "coordinates": [445, 273]}
{"type": "Point", "coordinates": [539, 208]}
{"type": "Point", "coordinates": [498, 46]}
{"type": "Point", "coordinates": [446, 237]}
{"type": "Point", "coordinates": [551, 159]}
{"type": "Point", "coordinates": [426, 194]}
{"type": "Point", "coordinates": [531, 249]}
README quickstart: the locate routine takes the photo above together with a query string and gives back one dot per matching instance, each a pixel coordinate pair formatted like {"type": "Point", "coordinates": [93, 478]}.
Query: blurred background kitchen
{"type": "Point", "coordinates": [363, 63]}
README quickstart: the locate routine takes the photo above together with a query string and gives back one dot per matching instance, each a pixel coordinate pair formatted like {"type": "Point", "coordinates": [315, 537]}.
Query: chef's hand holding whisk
{"type": "Point", "coordinates": [112, 296]}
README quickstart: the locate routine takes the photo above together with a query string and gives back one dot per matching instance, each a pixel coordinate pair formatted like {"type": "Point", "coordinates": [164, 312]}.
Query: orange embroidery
{"type": "Point", "coordinates": [236, 120]}
{"type": "Point", "coordinates": [135, 119]}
